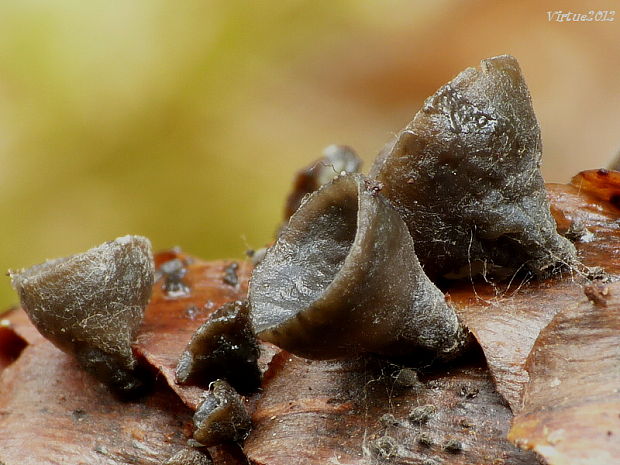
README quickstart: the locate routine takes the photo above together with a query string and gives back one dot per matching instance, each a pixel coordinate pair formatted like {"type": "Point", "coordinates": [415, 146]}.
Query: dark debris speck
{"type": "Point", "coordinates": [385, 446]}
{"type": "Point", "coordinates": [454, 446]}
{"type": "Point", "coordinates": [230, 274]}
{"type": "Point", "coordinates": [422, 413]}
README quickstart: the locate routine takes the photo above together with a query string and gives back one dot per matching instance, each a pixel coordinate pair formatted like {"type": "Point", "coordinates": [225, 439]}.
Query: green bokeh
{"type": "Point", "coordinates": [137, 117]}
{"type": "Point", "coordinates": [184, 121]}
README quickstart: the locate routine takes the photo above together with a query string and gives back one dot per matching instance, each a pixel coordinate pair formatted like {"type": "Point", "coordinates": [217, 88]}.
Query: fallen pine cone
{"type": "Point", "coordinates": [537, 381]}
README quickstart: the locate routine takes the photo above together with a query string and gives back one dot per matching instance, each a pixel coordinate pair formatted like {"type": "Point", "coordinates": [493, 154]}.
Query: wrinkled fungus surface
{"type": "Point", "coordinates": [221, 417]}
{"type": "Point", "coordinates": [465, 176]}
{"type": "Point", "coordinates": [92, 304]}
{"type": "Point", "coordinates": [223, 347]}
{"type": "Point", "coordinates": [343, 278]}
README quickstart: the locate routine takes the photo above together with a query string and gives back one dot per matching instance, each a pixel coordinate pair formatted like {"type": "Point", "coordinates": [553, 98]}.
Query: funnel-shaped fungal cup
{"type": "Point", "coordinates": [91, 304]}
{"type": "Point", "coordinates": [465, 176]}
{"type": "Point", "coordinates": [343, 278]}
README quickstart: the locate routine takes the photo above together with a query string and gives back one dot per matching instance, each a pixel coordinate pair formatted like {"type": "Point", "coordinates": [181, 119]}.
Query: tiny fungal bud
{"type": "Point", "coordinates": [189, 456]}
{"type": "Point", "coordinates": [91, 304]}
{"type": "Point", "coordinates": [223, 347]}
{"type": "Point", "coordinates": [343, 278]}
{"type": "Point", "coordinates": [425, 440]}
{"type": "Point", "coordinates": [469, 392]}
{"type": "Point", "coordinates": [230, 274]}
{"type": "Point", "coordinates": [221, 417]}
{"type": "Point", "coordinates": [173, 272]}
{"type": "Point", "coordinates": [454, 446]}
{"type": "Point", "coordinates": [422, 413]}
{"type": "Point", "coordinates": [465, 176]}
{"type": "Point", "coordinates": [385, 447]}
{"type": "Point", "coordinates": [407, 378]}
{"type": "Point", "coordinates": [465, 423]}
{"type": "Point", "coordinates": [388, 419]}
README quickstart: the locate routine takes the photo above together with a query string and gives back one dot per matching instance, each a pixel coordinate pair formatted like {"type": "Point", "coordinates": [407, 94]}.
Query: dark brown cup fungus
{"type": "Point", "coordinates": [465, 177]}
{"type": "Point", "coordinates": [221, 417]}
{"type": "Point", "coordinates": [91, 305]}
{"type": "Point", "coordinates": [223, 347]}
{"type": "Point", "coordinates": [343, 278]}
{"type": "Point", "coordinates": [336, 159]}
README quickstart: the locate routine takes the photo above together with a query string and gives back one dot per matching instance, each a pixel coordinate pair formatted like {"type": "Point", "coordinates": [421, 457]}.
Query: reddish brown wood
{"type": "Point", "coordinates": [11, 345]}
{"type": "Point", "coordinates": [54, 413]}
{"type": "Point", "coordinates": [333, 412]}
{"type": "Point", "coordinates": [571, 408]}
{"type": "Point", "coordinates": [353, 412]}
{"type": "Point", "coordinates": [602, 183]}
{"type": "Point", "coordinates": [507, 318]}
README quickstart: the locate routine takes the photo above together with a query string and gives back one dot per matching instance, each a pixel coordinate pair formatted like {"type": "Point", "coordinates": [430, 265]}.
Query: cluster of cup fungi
{"type": "Point", "coordinates": [356, 269]}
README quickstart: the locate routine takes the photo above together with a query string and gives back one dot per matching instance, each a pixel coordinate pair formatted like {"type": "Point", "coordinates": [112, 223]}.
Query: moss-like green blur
{"type": "Point", "coordinates": [184, 121]}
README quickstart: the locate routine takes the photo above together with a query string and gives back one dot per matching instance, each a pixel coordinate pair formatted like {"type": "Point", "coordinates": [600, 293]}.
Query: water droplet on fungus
{"type": "Point", "coordinates": [223, 347]}
{"type": "Point", "coordinates": [91, 304]}
{"type": "Point", "coordinates": [221, 417]}
{"type": "Point", "coordinates": [494, 213]}
{"type": "Point", "coordinates": [343, 278]}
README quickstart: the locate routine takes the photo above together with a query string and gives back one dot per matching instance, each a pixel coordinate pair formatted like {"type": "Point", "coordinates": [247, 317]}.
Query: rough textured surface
{"type": "Point", "coordinates": [507, 318]}
{"type": "Point", "coordinates": [91, 305]}
{"type": "Point", "coordinates": [189, 456]}
{"type": "Point", "coordinates": [352, 412]}
{"type": "Point", "coordinates": [338, 158]}
{"type": "Point", "coordinates": [55, 414]}
{"type": "Point", "coordinates": [222, 416]}
{"type": "Point", "coordinates": [224, 347]}
{"type": "Point", "coordinates": [465, 176]}
{"type": "Point", "coordinates": [571, 407]}
{"type": "Point", "coordinates": [331, 409]}
{"type": "Point", "coordinates": [343, 278]}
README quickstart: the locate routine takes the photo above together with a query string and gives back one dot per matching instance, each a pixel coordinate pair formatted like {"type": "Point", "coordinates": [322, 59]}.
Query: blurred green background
{"type": "Point", "coordinates": [184, 121]}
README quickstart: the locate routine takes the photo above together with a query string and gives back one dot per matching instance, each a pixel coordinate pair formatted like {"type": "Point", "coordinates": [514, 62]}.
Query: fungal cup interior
{"type": "Point", "coordinates": [311, 252]}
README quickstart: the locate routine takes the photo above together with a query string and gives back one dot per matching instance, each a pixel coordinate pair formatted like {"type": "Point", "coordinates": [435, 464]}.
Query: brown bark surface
{"type": "Point", "coordinates": [571, 407]}
{"type": "Point", "coordinates": [507, 318]}
{"type": "Point", "coordinates": [54, 413]}
{"type": "Point", "coordinates": [355, 411]}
